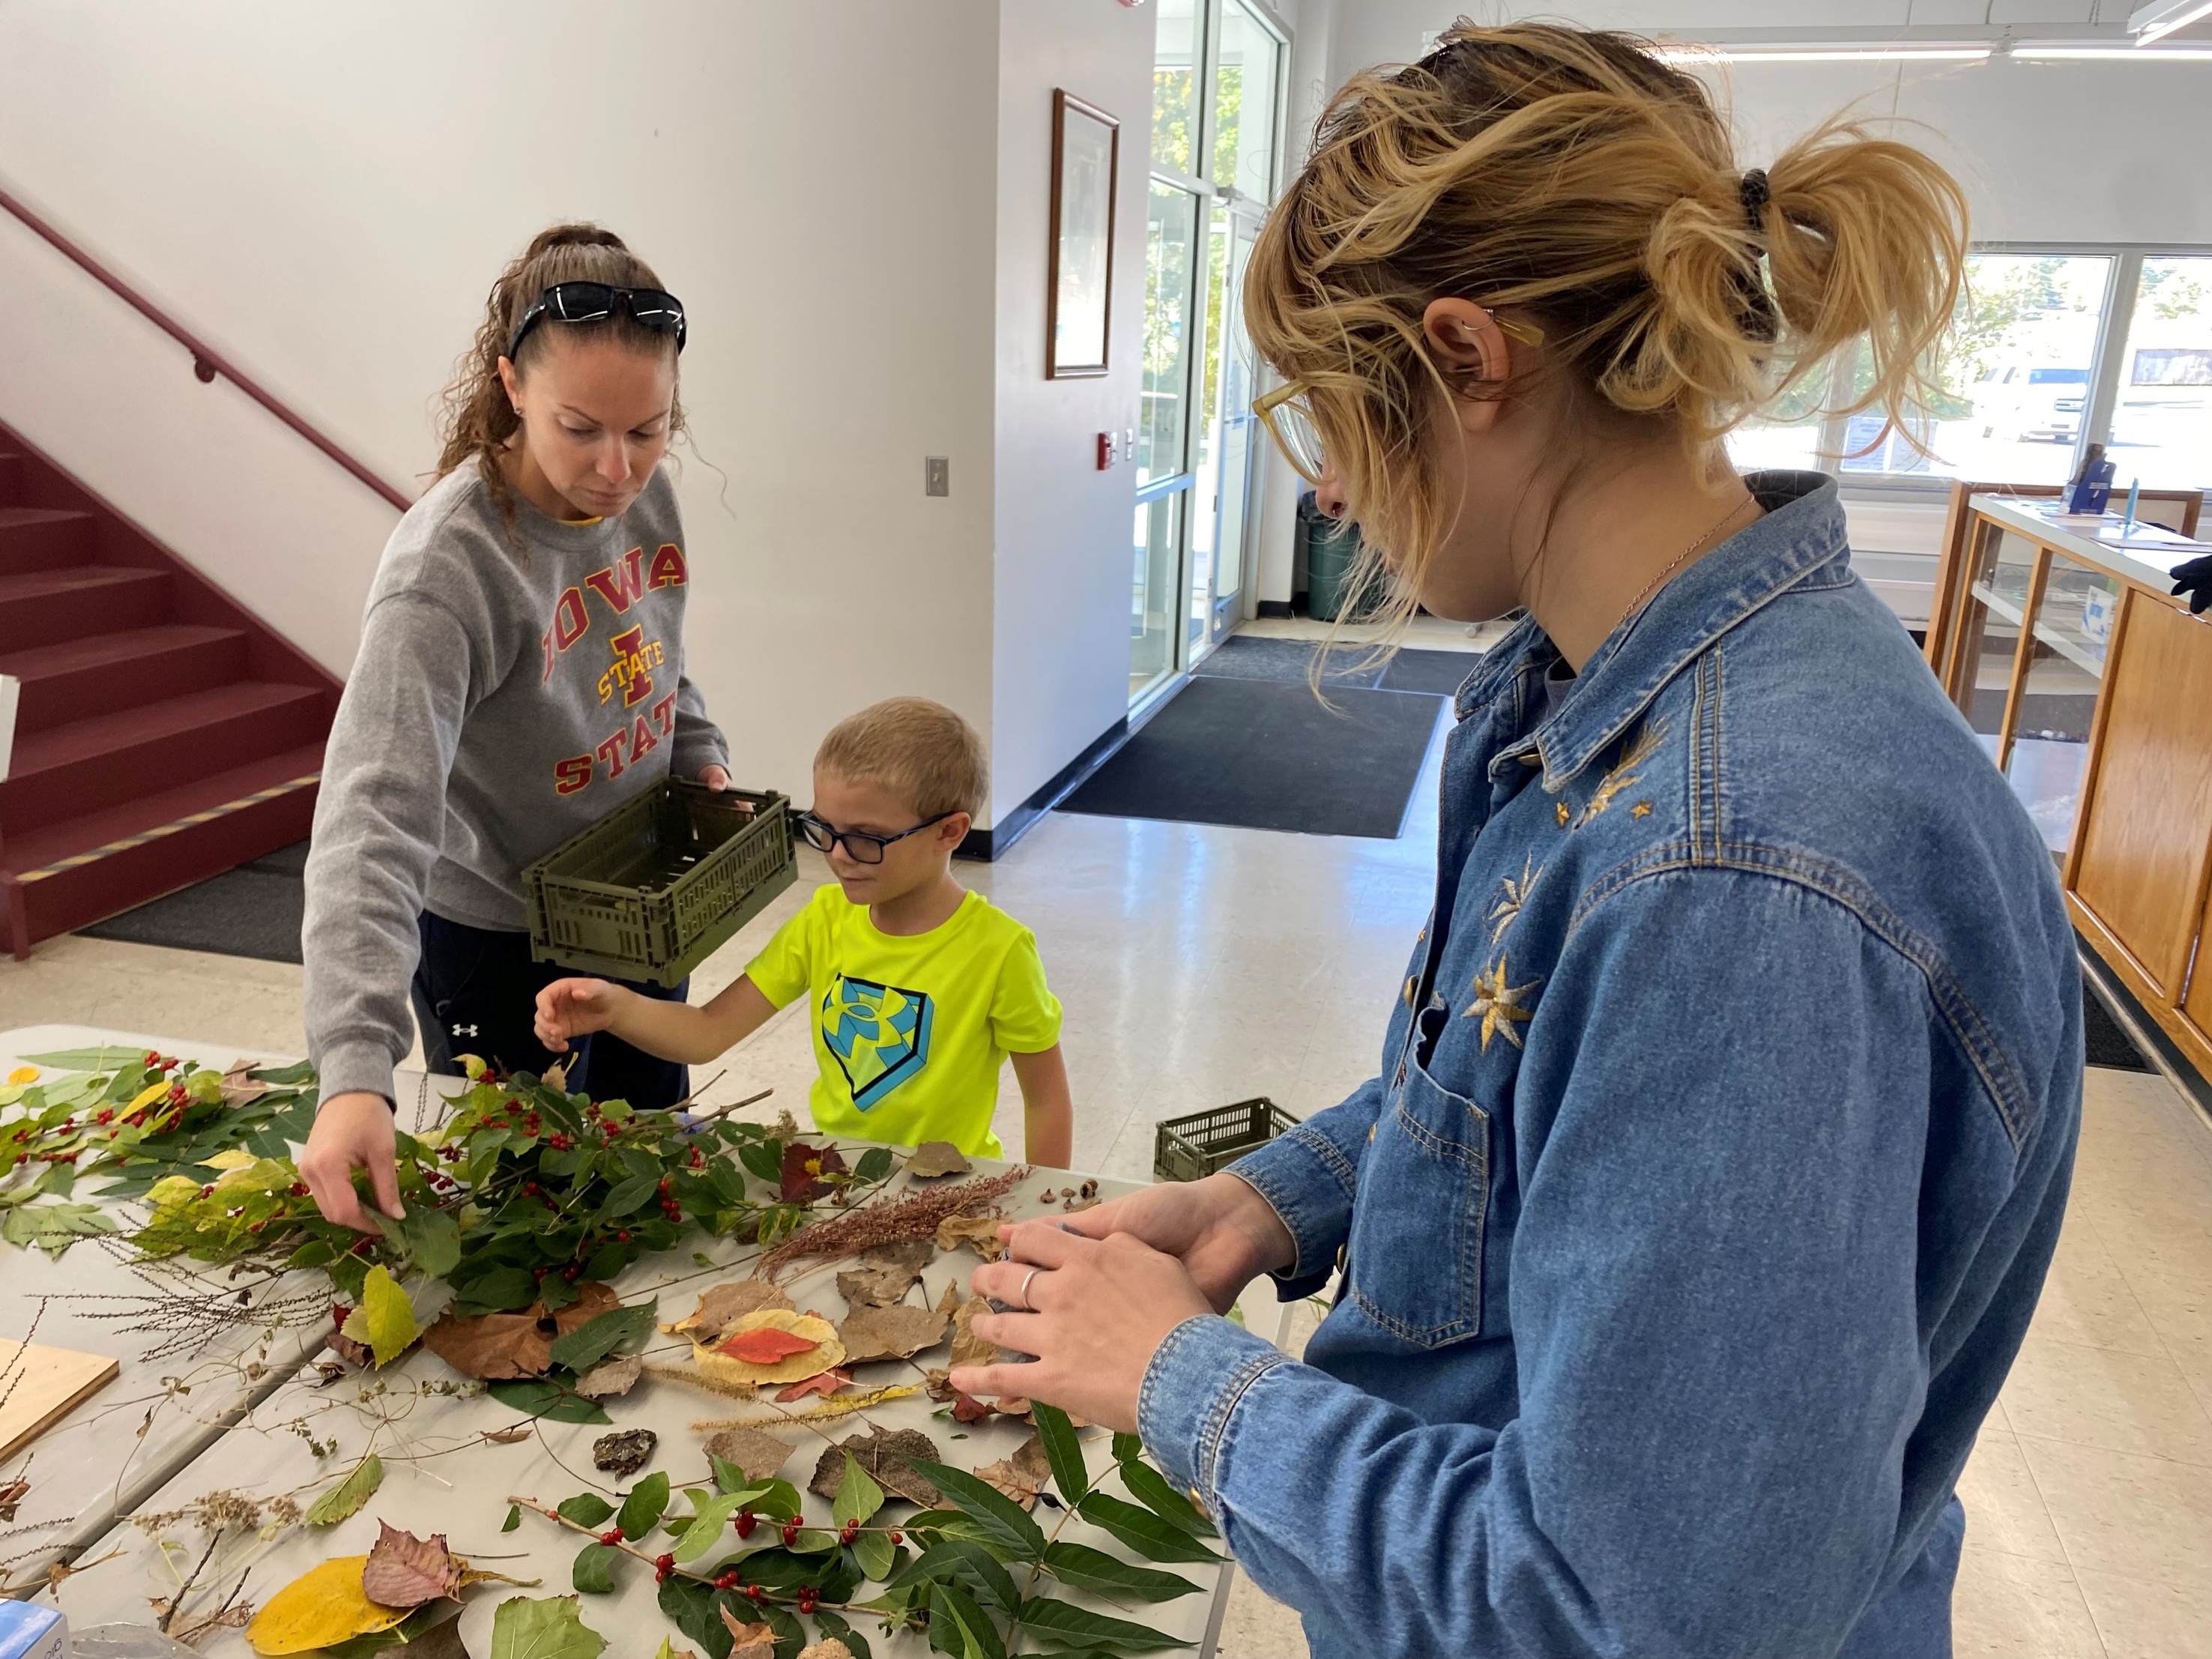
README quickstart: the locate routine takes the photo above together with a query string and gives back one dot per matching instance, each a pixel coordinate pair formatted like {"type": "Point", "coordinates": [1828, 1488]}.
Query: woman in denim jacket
{"type": "Point", "coordinates": [1727, 1104]}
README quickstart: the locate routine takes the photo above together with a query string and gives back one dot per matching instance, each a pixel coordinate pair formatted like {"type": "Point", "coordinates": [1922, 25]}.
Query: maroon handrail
{"type": "Point", "coordinates": [207, 362]}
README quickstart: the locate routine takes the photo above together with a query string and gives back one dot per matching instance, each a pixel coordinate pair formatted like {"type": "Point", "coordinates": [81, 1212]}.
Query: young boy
{"type": "Point", "coordinates": [918, 988]}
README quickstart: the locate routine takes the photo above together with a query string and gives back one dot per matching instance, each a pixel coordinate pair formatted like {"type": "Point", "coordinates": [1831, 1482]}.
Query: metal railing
{"type": "Point", "coordinates": [207, 362]}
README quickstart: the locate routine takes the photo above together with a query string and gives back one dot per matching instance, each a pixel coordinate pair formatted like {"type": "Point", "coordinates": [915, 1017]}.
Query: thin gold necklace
{"type": "Point", "coordinates": [1636, 604]}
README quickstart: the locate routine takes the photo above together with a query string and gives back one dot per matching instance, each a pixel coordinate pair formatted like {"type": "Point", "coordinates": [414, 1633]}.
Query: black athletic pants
{"type": "Point", "coordinates": [476, 993]}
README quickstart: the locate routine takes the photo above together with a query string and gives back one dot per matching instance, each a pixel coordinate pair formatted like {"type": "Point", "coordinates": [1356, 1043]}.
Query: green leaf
{"type": "Point", "coordinates": [1153, 1491]}
{"type": "Point", "coordinates": [1127, 1448]}
{"type": "Point", "coordinates": [707, 1526]}
{"type": "Point", "coordinates": [593, 1340]}
{"type": "Point", "coordinates": [388, 1316]}
{"type": "Point", "coordinates": [695, 1609]}
{"type": "Point", "coordinates": [1071, 1626]}
{"type": "Point", "coordinates": [876, 1554]}
{"type": "Point", "coordinates": [534, 1396]}
{"type": "Point", "coordinates": [1094, 1569]}
{"type": "Point", "coordinates": [415, 1626]}
{"type": "Point", "coordinates": [630, 1195]}
{"type": "Point", "coordinates": [110, 1058]}
{"type": "Point", "coordinates": [513, 1518]}
{"type": "Point", "coordinates": [53, 1227]}
{"type": "Point", "coordinates": [1063, 1449]}
{"type": "Point", "coordinates": [858, 1497]}
{"type": "Point", "coordinates": [1142, 1530]}
{"type": "Point", "coordinates": [875, 1164]}
{"type": "Point", "coordinates": [764, 1159]}
{"type": "Point", "coordinates": [648, 1502]}
{"type": "Point", "coordinates": [503, 1290]}
{"type": "Point", "coordinates": [585, 1509]}
{"type": "Point", "coordinates": [970, 1562]}
{"type": "Point", "coordinates": [594, 1572]}
{"type": "Point", "coordinates": [552, 1628]}
{"type": "Point", "coordinates": [1000, 1521]}
{"type": "Point", "coordinates": [299, 1072]}
{"type": "Point", "coordinates": [833, 1626]}
{"type": "Point", "coordinates": [433, 1240]}
{"type": "Point", "coordinates": [348, 1495]}
{"type": "Point", "coordinates": [958, 1626]}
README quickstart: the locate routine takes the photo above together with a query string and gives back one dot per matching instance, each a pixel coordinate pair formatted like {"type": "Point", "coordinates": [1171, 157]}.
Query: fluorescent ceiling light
{"type": "Point", "coordinates": [2155, 22]}
{"type": "Point", "coordinates": [1814, 54]}
{"type": "Point", "coordinates": [2118, 54]}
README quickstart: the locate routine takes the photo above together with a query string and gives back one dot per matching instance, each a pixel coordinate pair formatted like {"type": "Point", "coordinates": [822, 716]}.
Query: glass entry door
{"type": "Point", "coordinates": [1219, 537]}
{"type": "Point", "coordinates": [1164, 477]}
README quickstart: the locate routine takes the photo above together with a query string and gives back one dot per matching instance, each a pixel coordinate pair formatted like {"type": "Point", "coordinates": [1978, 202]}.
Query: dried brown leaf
{"type": "Point", "coordinates": [938, 1157]}
{"type": "Point", "coordinates": [886, 1273]}
{"type": "Point", "coordinates": [968, 1348]}
{"type": "Point", "coordinates": [1022, 1476]}
{"type": "Point", "coordinates": [888, 1458]}
{"type": "Point", "coordinates": [828, 1648]}
{"type": "Point", "coordinates": [611, 1377]}
{"type": "Point", "coordinates": [756, 1451]}
{"type": "Point", "coordinates": [938, 1384]}
{"type": "Point", "coordinates": [506, 1437]}
{"type": "Point", "coordinates": [899, 1332]}
{"type": "Point", "coordinates": [979, 1233]}
{"type": "Point", "coordinates": [748, 1641]}
{"type": "Point", "coordinates": [403, 1570]}
{"type": "Point", "coordinates": [14, 1492]}
{"type": "Point", "coordinates": [498, 1346]}
{"type": "Point", "coordinates": [724, 1305]}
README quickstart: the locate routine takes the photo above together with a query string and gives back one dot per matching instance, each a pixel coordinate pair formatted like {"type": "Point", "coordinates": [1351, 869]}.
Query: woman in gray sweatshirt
{"type": "Point", "coordinates": [520, 676]}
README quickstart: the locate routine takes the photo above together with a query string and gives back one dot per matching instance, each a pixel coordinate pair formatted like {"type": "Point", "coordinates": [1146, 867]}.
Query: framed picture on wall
{"type": "Point", "coordinates": [1086, 155]}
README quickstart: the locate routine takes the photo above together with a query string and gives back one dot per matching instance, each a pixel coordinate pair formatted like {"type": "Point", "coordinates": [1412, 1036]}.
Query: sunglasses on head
{"type": "Point", "coordinates": [594, 302]}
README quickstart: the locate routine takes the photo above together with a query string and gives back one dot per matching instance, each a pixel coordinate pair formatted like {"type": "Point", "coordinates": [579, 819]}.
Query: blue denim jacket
{"type": "Point", "coordinates": [1723, 1132]}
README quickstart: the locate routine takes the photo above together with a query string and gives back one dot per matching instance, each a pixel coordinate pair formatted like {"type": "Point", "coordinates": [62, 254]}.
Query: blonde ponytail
{"type": "Point", "coordinates": [1573, 177]}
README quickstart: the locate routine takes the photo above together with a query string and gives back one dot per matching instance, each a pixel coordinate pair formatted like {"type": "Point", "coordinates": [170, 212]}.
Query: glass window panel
{"type": "Point", "coordinates": [1246, 84]}
{"type": "Point", "coordinates": [2073, 630]}
{"type": "Point", "coordinates": [1171, 250]}
{"type": "Point", "coordinates": [1152, 603]}
{"type": "Point", "coordinates": [1174, 79]}
{"type": "Point", "coordinates": [2162, 418]}
{"type": "Point", "coordinates": [2012, 377]}
{"type": "Point", "coordinates": [1788, 436]}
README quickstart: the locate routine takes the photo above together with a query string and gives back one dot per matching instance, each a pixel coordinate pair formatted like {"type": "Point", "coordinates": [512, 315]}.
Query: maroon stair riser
{"type": "Point", "coordinates": [80, 693]}
{"type": "Point", "coordinates": [12, 470]}
{"type": "Point", "coordinates": [128, 770]}
{"type": "Point", "coordinates": [48, 545]}
{"type": "Point", "coordinates": [137, 602]}
{"type": "Point", "coordinates": [108, 886]}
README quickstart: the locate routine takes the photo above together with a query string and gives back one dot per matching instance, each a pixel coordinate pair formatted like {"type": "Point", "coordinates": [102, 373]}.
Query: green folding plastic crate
{"type": "Point", "coordinates": [656, 887]}
{"type": "Point", "coordinates": [1189, 1148]}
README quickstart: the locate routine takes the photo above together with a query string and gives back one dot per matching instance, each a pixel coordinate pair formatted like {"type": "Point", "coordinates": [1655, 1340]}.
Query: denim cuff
{"type": "Point", "coordinates": [1308, 1182]}
{"type": "Point", "coordinates": [1188, 1400]}
{"type": "Point", "coordinates": [361, 1064]}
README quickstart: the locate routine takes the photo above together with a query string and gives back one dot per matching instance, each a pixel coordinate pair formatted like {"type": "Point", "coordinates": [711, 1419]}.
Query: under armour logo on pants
{"type": "Point", "coordinates": [465, 1031]}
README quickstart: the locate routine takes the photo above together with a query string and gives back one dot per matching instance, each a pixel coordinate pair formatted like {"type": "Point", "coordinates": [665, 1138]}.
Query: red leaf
{"type": "Point", "coordinates": [965, 1410]}
{"type": "Point", "coordinates": [765, 1346]}
{"type": "Point", "coordinates": [403, 1570]}
{"type": "Point", "coordinates": [827, 1383]}
{"type": "Point", "coordinates": [800, 1182]}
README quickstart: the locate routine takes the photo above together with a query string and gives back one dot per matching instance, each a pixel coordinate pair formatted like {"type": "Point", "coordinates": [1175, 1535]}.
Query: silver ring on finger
{"type": "Point", "coordinates": [1028, 1306]}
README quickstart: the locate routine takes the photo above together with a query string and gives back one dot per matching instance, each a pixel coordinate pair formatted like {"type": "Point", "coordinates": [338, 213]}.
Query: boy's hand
{"type": "Point", "coordinates": [577, 1007]}
{"type": "Point", "coordinates": [352, 1132]}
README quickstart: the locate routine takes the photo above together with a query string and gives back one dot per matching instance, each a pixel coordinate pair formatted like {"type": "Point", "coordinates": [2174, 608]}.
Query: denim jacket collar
{"type": "Point", "coordinates": [1803, 530]}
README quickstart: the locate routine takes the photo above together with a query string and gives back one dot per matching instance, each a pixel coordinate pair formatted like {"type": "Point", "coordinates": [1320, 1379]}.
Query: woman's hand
{"type": "Point", "coordinates": [1101, 1310]}
{"type": "Point", "coordinates": [352, 1132]}
{"type": "Point", "coordinates": [1225, 1232]}
{"type": "Point", "coordinates": [714, 777]}
{"type": "Point", "coordinates": [577, 1007]}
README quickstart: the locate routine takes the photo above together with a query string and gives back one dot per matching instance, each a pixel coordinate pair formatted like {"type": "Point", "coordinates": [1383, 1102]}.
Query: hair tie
{"type": "Point", "coordinates": [1756, 195]}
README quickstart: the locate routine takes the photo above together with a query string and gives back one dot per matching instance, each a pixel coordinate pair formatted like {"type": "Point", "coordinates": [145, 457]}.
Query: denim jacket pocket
{"type": "Point", "coordinates": [1415, 1262]}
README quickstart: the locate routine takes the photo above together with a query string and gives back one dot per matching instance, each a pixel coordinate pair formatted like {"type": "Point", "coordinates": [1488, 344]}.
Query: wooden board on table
{"type": "Point", "coordinates": [39, 1384]}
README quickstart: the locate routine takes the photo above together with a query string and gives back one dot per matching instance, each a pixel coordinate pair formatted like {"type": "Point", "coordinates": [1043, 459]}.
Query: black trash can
{"type": "Point", "coordinates": [1332, 545]}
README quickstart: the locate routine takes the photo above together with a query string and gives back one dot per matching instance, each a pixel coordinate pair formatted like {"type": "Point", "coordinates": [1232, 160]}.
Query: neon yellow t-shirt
{"type": "Point", "coordinates": [909, 1033]}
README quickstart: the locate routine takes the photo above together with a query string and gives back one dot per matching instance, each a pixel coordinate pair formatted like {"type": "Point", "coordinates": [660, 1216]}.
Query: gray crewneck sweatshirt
{"type": "Point", "coordinates": [504, 699]}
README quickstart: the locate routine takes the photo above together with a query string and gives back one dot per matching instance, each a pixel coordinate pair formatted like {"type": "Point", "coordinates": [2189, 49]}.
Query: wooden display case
{"type": "Point", "coordinates": [2091, 686]}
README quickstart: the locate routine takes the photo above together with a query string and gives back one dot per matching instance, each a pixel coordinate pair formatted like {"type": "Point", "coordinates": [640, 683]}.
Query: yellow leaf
{"type": "Point", "coordinates": [172, 1191]}
{"type": "Point", "coordinates": [472, 1066]}
{"type": "Point", "coordinates": [827, 1353]}
{"type": "Point", "coordinates": [387, 1318]}
{"type": "Point", "coordinates": [236, 1158]}
{"type": "Point", "coordinates": [147, 1097]}
{"type": "Point", "coordinates": [258, 1175]}
{"type": "Point", "coordinates": [24, 1074]}
{"type": "Point", "coordinates": [322, 1608]}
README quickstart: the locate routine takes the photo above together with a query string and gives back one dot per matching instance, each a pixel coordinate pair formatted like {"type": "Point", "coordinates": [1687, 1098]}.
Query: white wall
{"type": "Point", "coordinates": [326, 192]}
{"type": "Point", "coordinates": [1060, 650]}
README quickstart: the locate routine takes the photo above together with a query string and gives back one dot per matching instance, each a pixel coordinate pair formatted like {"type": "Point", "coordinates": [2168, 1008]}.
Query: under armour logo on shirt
{"type": "Point", "coordinates": [465, 1031]}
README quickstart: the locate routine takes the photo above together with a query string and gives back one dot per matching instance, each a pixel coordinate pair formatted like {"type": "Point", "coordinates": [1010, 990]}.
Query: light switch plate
{"type": "Point", "coordinates": [937, 476]}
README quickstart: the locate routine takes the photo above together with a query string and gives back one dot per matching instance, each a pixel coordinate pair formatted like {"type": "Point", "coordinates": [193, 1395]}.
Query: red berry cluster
{"type": "Point", "coordinates": [611, 1535]}
{"type": "Point", "coordinates": [745, 1522]}
{"type": "Point", "coordinates": [664, 1567]}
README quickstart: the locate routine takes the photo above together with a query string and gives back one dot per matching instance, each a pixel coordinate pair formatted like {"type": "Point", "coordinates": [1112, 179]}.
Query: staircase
{"type": "Point", "coordinates": [162, 733]}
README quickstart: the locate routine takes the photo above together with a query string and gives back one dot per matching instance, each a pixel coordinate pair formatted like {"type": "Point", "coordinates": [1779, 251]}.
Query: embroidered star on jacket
{"type": "Point", "coordinates": [1516, 895]}
{"type": "Point", "coordinates": [1498, 1004]}
{"type": "Point", "coordinates": [1624, 774]}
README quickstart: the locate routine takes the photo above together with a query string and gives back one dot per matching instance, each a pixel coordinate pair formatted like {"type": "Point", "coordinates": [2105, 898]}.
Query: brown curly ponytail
{"type": "Point", "coordinates": [1574, 176]}
{"type": "Point", "coordinates": [479, 420]}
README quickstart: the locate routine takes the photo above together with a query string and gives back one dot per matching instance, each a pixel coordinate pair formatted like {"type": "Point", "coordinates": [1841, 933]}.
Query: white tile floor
{"type": "Point", "coordinates": [1200, 965]}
